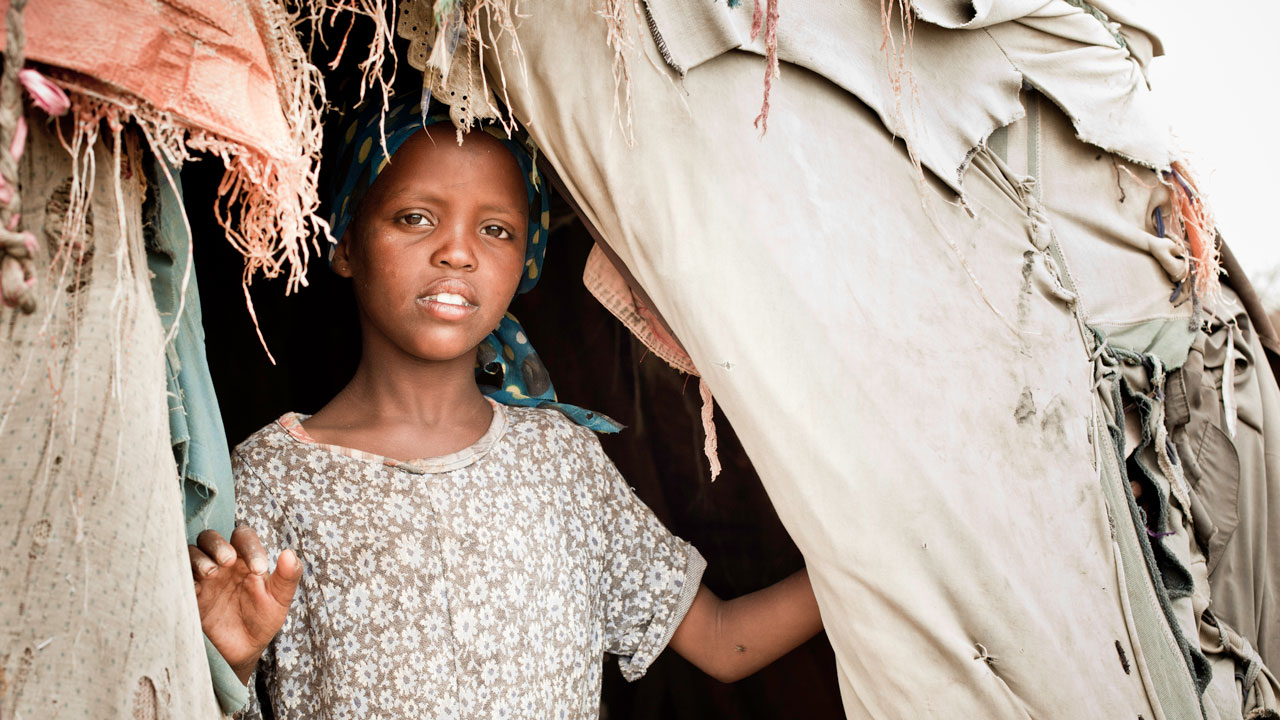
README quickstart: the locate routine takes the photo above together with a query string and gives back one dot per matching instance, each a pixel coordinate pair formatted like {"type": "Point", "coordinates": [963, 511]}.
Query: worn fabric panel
{"type": "Point", "coordinates": [599, 364]}
{"type": "Point", "coordinates": [208, 63]}
{"type": "Point", "coordinates": [1134, 293]}
{"type": "Point", "coordinates": [950, 111]}
{"type": "Point", "coordinates": [1101, 207]}
{"type": "Point", "coordinates": [960, 72]}
{"type": "Point", "coordinates": [97, 613]}
{"type": "Point", "coordinates": [1095, 72]}
{"type": "Point", "coordinates": [923, 432]}
{"type": "Point", "coordinates": [1234, 480]}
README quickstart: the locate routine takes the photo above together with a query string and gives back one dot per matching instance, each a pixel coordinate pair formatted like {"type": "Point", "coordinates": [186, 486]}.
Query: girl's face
{"type": "Point", "coordinates": [436, 252]}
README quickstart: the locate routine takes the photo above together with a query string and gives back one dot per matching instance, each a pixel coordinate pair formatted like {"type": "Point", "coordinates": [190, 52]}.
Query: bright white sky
{"type": "Point", "coordinates": [1218, 80]}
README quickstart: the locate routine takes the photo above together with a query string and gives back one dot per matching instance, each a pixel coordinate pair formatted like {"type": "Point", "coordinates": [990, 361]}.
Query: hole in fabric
{"type": "Point", "coordinates": [39, 538]}
{"type": "Point", "coordinates": [61, 231]}
{"type": "Point", "coordinates": [144, 700]}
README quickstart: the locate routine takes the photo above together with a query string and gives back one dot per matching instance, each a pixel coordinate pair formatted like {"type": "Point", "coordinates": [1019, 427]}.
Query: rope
{"type": "Point", "coordinates": [17, 249]}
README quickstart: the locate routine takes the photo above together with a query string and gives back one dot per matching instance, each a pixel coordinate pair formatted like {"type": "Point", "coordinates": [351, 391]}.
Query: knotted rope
{"type": "Point", "coordinates": [17, 248]}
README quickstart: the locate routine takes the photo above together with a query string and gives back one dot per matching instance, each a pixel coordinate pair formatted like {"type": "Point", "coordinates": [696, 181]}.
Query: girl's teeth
{"type": "Point", "coordinates": [449, 299]}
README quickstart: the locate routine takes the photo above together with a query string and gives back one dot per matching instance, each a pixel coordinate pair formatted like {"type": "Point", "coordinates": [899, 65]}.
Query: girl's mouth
{"type": "Point", "coordinates": [447, 306]}
{"type": "Point", "coordinates": [446, 298]}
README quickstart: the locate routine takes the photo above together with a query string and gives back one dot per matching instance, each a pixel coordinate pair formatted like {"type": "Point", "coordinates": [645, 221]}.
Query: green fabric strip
{"type": "Point", "coordinates": [999, 143]}
{"type": "Point", "coordinates": [1033, 141]}
{"type": "Point", "coordinates": [1169, 677]}
{"type": "Point", "coordinates": [1169, 339]}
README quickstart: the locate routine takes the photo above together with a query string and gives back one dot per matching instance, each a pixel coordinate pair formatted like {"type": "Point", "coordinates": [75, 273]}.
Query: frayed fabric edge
{"type": "Point", "coordinates": [266, 205]}
{"type": "Point", "coordinates": [710, 444]}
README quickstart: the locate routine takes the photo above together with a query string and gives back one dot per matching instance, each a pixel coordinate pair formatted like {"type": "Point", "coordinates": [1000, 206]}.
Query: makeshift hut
{"type": "Point", "coordinates": [935, 262]}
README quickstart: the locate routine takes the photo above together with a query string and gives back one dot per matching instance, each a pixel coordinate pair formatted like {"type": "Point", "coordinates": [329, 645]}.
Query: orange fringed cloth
{"type": "Point", "coordinates": [222, 76]}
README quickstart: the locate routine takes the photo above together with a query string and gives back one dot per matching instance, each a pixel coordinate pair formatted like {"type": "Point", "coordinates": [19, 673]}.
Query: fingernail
{"type": "Point", "coordinates": [226, 558]}
{"type": "Point", "coordinates": [258, 566]}
{"type": "Point", "coordinates": [209, 571]}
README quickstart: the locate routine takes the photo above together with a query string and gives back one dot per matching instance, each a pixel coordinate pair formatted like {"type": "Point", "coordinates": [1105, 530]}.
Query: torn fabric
{"type": "Point", "coordinates": [224, 77]}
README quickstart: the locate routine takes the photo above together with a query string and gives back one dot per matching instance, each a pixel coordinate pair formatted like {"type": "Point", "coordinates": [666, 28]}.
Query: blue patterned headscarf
{"type": "Point", "coordinates": [506, 351]}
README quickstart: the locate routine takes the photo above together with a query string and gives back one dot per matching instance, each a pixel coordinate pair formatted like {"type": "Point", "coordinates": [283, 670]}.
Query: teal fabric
{"type": "Point", "coordinates": [233, 695]}
{"type": "Point", "coordinates": [507, 350]}
{"type": "Point", "coordinates": [195, 423]}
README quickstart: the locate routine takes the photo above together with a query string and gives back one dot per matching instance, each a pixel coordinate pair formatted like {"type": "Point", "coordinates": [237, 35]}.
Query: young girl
{"type": "Point", "coordinates": [460, 555]}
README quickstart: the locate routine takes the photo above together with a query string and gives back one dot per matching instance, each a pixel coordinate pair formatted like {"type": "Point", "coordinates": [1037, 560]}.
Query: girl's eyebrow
{"type": "Point", "coordinates": [408, 193]}
{"type": "Point", "coordinates": [502, 209]}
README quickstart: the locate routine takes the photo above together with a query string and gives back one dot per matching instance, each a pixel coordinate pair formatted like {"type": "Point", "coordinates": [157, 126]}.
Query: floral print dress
{"type": "Point", "coordinates": [483, 584]}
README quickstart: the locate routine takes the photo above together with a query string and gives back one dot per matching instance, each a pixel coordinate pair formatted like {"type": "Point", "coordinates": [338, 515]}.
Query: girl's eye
{"type": "Point", "coordinates": [415, 220]}
{"type": "Point", "coordinates": [496, 231]}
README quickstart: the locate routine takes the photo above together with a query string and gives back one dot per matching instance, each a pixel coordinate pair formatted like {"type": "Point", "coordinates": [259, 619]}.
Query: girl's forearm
{"type": "Point", "coordinates": [730, 640]}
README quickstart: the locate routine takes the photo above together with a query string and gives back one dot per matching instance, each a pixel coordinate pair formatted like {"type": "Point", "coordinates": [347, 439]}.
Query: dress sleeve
{"type": "Point", "coordinates": [649, 577]}
{"type": "Point", "coordinates": [259, 509]}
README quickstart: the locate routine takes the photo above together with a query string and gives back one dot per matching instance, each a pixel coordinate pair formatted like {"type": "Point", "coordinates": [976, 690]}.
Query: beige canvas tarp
{"type": "Point", "coordinates": [97, 615]}
{"type": "Point", "coordinates": [923, 378]}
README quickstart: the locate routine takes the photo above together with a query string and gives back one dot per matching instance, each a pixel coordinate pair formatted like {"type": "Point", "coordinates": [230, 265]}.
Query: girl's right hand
{"type": "Point", "coordinates": [242, 605]}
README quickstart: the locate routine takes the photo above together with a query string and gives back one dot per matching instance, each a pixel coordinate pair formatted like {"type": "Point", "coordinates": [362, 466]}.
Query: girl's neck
{"type": "Point", "coordinates": [425, 394]}
{"type": "Point", "coordinates": [405, 411]}
{"type": "Point", "coordinates": [391, 388]}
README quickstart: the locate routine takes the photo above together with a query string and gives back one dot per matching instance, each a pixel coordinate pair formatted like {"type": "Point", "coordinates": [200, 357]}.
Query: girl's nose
{"type": "Point", "coordinates": [454, 250]}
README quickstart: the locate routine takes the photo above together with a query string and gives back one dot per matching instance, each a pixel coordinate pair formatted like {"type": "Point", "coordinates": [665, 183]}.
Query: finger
{"type": "Point", "coordinates": [246, 542]}
{"type": "Point", "coordinates": [202, 565]}
{"type": "Point", "coordinates": [283, 583]}
{"type": "Point", "coordinates": [213, 545]}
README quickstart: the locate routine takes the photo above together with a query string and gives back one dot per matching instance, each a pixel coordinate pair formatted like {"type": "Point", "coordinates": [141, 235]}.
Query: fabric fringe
{"type": "Point", "coordinates": [1193, 220]}
{"type": "Point", "coordinates": [897, 56]}
{"type": "Point", "coordinates": [267, 205]}
{"type": "Point", "coordinates": [765, 17]}
{"type": "Point", "coordinates": [268, 198]}
{"type": "Point", "coordinates": [623, 43]}
{"type": "Point", "coordinates": [373, 67]}
{"type": "Point", "coordinates": [444, 49]}
{"type": "Point", "coordinates": [709, 446]}
{"type": "Point", "coordinates": [447, 35]}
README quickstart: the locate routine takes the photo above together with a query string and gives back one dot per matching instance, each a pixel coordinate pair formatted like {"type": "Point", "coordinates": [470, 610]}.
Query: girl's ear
{"type": "Point", "coordinates": [342, 256]}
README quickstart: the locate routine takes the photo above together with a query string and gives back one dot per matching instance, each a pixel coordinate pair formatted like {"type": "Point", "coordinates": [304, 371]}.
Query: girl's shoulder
{"type": "Point", "coordinates": [281, 464]}
{"type": "Point", "coordinates": [278, 455]}
{"type": "Point", "coordinates": [277, 436]}
{"type": "Point", "coordinates": [546, 425]}
{"type": "Point", "coordinates": [547, 437]}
